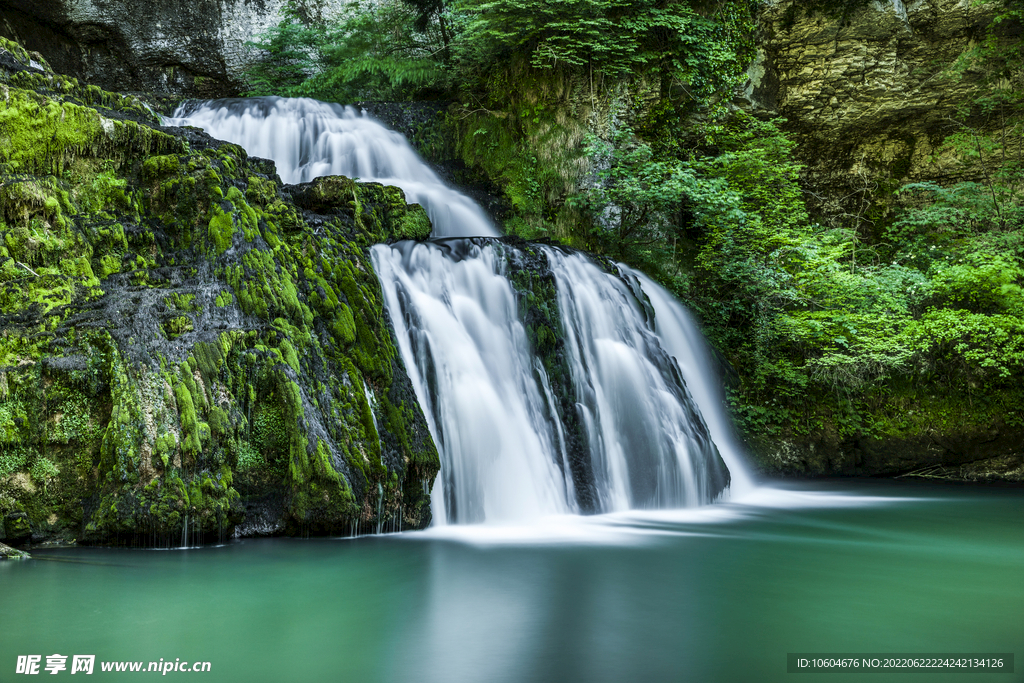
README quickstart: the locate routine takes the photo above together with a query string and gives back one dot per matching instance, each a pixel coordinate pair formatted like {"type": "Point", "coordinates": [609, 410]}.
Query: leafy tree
{"type": "Point", "coordinates": [373, 50]}
{"type": "Point", "coordinates": [291, 53]}
{"type": "Point", "coordinates": [700, 54]}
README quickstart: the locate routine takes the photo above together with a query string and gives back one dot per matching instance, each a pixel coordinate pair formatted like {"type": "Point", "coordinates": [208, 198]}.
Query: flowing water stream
{"type": "Point", "coordinates": [308, 139]}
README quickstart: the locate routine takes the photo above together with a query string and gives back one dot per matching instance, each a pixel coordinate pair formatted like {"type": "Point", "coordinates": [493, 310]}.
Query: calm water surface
{"type": "Point", "coordinates": [719, 594]}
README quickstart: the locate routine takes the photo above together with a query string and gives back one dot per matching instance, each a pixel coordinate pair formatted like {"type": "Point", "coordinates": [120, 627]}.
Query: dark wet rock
{"type": "Point", "coordinates": [195, 48]}
{"type": "Point", "coordinates": [17, 528]}
{"type": "Point", "coordinates": [990, 453]}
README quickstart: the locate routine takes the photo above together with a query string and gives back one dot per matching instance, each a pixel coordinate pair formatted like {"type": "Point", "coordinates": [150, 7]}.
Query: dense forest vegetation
{"type": "Point", "coordinates": [608, 125]}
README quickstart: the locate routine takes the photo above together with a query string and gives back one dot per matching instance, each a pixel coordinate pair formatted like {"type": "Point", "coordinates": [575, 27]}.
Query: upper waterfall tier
{"type": "Point", "coordinates": [308, 139]}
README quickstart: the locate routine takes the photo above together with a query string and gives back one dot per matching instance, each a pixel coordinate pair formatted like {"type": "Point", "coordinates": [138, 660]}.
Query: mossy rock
{"type": "Point", "coordinates": [17, 527]}
{"type": "Point", "coordinates": [9, 553]}
{"type": "Point", "coordinates": [380, 212]}
{"type": "Point", "coordinates": [180, 334]}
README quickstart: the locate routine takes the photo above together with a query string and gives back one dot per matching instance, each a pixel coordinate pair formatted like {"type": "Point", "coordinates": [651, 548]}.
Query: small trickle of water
{"type": "Point", "coordinates": [370, 401]}
{"type": "Point", "coordinates": [308, 139]}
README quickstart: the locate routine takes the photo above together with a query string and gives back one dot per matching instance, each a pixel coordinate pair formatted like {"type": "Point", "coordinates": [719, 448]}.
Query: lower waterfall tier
{"type": "Point", "coordinates": [545, 382]}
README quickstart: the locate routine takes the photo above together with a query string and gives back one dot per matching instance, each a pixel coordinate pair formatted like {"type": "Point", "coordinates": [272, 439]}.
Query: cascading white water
{"type": "Point", "coordinates": [469, 358]}
{"type": "Point", "coordinates": [620, 429]}
{"type": "Point", "coordinates": [647, 442]}
{"type": "Point", "coordinates": [490, 403]}
{"type": "Point", "coordinates": [308, 139]}
{"type": "Point", "coordinates": [682, 338]}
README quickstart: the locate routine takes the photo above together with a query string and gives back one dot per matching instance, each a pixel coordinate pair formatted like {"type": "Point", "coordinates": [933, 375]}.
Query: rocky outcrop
{"type": "Point", "coordinates": [864, 91]}
{"type": "Point", "coordinates": [994, 452]}
{"type": "Point", "coordinates": [195, 48]}
{"type": "Point", "coordinates": [9, 553]}
{"type": "Point", "coordinates": [189, 348]}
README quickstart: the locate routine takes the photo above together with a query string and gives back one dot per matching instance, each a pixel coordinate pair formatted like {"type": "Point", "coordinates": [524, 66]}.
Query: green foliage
{"type": "Point", "coordinates": [820, 322]}
{"type": "Point", "coordinates": [249, 458]}
{"type": "Point", "coordinates": [635, 195]}
{"type": "Point", "coordinates": [979, 282]}
{"type": "Point", "coordinates": [291, 53]}
{"type": "Point", "coordinates": [43, 470]}
{"type": "Point", "coordinates": [372, 50]}
{"type": "Point", "coordinates": [971, 344]}
{"type": "Point", "coordinates": [702, 53]}
{"type": "Point", "coordinates": [395, 49]}
{"type": "Point", "coordinates": [12, 459]}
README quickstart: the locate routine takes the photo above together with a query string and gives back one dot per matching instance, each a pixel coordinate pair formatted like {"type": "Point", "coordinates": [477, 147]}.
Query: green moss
{"type": "Point", "coordinates": [220, 424]}
{"type": "Point", "coordinates": [290, 357]}
{"type": "Point", "coordinates": [344, 327]}
{"type": "Point", "coordinates": [222, 229]}
{"type": "Point", "coordinates": [208, 358]}
{"type": "Point", "coordinates": [16, 50]}
{"type": "Point", "coordinates": [182, 302]}
{"type": "Point", "coordinates": [261, 191]}
{"type": "Point", "coordinates": [40, 134]}
{"type": "Point", "coordinates": [415, 225]}
{"type": "Point", "coordinates": [189, 424]}
{"type": "Point", "coordinates": [161, 166]}
{"type": "Point", "coordinates": [178, 326]}
{"type": "Point", "coordinates": [165, 445]}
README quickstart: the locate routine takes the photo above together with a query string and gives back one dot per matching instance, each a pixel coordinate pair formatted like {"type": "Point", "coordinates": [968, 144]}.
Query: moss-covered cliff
{"type": "Point", "coordinates": [188, 348]}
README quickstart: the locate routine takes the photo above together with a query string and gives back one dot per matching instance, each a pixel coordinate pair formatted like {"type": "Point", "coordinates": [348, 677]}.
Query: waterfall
{"type": "Point", "coordinates": [506, 446]}
{"type": "Point", "coordinates": [466, 351]}
{"type": "Point", "coordinates": [308, 139]}
{"type": "Point", "coordinates": [682, 338]}
{"type": "Point", "coordinates": [551, 384]}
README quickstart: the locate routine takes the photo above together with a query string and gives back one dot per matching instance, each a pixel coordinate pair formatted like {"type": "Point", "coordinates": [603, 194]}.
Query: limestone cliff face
{"type": "Point", "coordinates": [865, 93]}
{"type": "Point", "coordinates": [193, 48]}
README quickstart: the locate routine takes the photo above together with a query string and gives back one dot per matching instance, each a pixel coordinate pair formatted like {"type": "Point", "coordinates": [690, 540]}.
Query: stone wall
{"type": "Point", "coordinates": [192, 48]}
